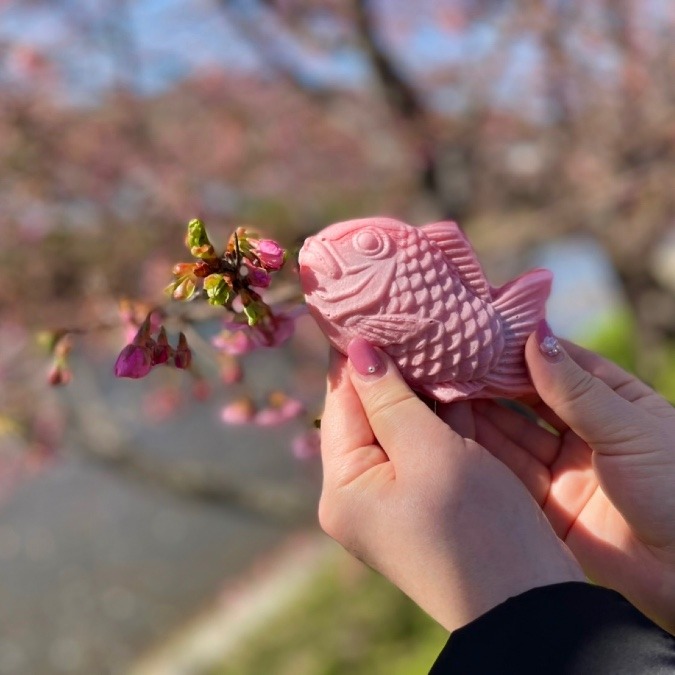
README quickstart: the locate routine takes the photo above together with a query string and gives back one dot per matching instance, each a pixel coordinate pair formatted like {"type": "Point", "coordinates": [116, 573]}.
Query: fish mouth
{"type": "Point", "coordinates": [320, 258]}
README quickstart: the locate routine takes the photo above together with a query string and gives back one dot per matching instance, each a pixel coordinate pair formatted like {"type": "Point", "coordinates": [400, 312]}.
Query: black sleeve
{"type": "Point", "coordinates": [572, 628]}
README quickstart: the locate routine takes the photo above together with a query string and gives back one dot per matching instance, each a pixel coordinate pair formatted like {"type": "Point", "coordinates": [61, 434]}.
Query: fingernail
{"type": "Point", "coordinates": [549, 344]}
{"type": "Point", "coordinates": [366, 360]}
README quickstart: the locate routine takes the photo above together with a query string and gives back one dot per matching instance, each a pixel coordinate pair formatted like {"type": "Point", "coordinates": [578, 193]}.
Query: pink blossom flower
{"type": "Point", "coordinates": [271, 255]}
{"type": "Point", "coordinates": [306, 445]}
{"type": "Point", "coordinates": [234, 343]}
{"type": "Point", "coordinates": [134, 361]}
{"type": "Point", "coordinates": [239, 339]}
{"type": "Point", "coordinates": [238, 412]}
{"type": "Point", "coordinates": [292, 408]}
{"type": "Point", "coordinates": [282, 409]}
{"type": "Point", "coordinates": [268, 417]}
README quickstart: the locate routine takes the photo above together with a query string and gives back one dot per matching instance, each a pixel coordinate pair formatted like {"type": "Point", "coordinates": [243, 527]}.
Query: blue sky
{"type": "Point", "coordinates": [174, 37]}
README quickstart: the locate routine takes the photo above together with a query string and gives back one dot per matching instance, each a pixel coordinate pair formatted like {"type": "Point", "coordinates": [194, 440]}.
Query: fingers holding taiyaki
{"type": "Point", "coordinates": [348, 446]}
{"type": "Point", "coordinates": [394, 411]}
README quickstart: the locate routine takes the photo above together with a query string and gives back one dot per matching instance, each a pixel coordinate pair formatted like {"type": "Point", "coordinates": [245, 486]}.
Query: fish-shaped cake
{"type": "Point", "coordinates": [420, 294]}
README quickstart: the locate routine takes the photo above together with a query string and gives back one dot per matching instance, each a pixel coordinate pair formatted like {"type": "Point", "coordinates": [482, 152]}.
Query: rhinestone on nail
{"type": "Point", "coordinates": [550, 346]}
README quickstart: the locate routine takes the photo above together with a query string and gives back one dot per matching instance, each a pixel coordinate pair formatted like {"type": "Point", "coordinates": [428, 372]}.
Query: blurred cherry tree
{"type": "Point", "coordinates": [120, 121]}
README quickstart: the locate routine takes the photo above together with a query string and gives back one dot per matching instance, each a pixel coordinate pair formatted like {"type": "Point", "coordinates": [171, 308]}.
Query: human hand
{"type": "Point", "coordinates": [434, 512]}
{"type": "Point", "coordinates": [605, 478]}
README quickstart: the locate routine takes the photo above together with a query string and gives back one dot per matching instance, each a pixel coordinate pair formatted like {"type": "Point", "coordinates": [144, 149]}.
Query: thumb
{"type": "Point", "coordinates": [400, 421]}
{"type": "Point", "coordinates": [591, 408]}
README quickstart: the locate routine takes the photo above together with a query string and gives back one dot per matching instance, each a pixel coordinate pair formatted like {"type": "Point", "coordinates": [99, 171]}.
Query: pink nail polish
{"type": "Point", "coordinates": [365, 358]}
{"type": "Point", "coordinates": [549, 345]}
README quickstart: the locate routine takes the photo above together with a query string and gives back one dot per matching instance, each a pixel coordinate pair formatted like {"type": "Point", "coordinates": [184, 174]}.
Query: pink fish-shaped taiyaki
{"type": "Point", "coordinates": [420, 295]}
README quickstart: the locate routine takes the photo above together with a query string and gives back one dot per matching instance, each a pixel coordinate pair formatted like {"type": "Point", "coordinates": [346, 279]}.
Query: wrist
{"type": "Point", "coordinates": [457, 593]}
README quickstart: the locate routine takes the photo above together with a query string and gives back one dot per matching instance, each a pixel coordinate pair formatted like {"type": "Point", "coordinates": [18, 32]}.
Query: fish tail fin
{"type": "Point", "coordinates": [521, 305]}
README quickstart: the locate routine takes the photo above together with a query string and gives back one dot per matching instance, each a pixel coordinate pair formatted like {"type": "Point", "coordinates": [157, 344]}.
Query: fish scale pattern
{"type": "Point", "coordinates": [463, 340]}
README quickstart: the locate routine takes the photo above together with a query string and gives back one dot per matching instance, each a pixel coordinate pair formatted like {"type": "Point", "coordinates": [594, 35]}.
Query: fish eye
{"type": "Point", "coordinates": [371, 243]}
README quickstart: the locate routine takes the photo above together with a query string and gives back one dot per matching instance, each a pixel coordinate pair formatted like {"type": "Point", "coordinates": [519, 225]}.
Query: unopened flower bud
{"type": "Point", "coordinates": [257, 276]}
{"type": "Point", "coordinates": [59, 374]}
{"type": "Point", "coordinates": [184, 269]}
{"type": "Point", "coordinates": [270, 254]}
{"type": "Point", "coordinates": [202, 269]}
{"type": "Point", "coordinates": [183, 289]}
{"type": "Point", "coordinates": [162, 350]}
{"type": "Point", "coordinates": [182, 357]}
{"type": "Point", "coordinates": [134, 361]}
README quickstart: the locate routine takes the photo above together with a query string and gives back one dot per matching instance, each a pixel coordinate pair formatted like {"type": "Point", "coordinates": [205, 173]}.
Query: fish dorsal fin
{"type": "Point", "coordinates": [457, 249]}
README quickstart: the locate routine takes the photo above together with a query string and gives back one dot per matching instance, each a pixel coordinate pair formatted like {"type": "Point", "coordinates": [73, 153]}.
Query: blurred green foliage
{"type": "Point", "coordinates": [616, 339]}
{"type": "Point", "coordinates": [350, 620]}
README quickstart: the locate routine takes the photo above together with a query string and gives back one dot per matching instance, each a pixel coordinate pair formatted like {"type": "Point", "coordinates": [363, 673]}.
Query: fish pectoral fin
{"type": "Point", "coordinates": [456, 247]}
{"type": "Point", "coordinates": [387, 329]}
{"type": "Point", "coordinates": [445, 392]}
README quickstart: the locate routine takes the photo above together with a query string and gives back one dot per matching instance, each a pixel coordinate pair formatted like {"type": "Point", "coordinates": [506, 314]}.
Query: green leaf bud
{"type": "Point", "coordinates": [218, 290]}
{"type": "Point", "coordinates": [197, 240]}
{"type": "Point", "coordinates": [183, 289]}
{"type": "Point", "coordinates": [255, 312]}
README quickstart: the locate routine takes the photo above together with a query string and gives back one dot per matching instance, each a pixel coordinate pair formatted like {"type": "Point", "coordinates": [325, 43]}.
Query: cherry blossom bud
{"type": "Point", "coordinates": [184, 269]}
{"type": "Point", "coordinates": [235, 344]}
{"type": "Point", "coordinates": [270, 254]}
{"type": "Point", "coordinates": [182, 356]}
{"type": "Point", "coordinates": [162, 350]}
{"type": "Point", "coordinates": [59, 374]}
{"type": "Point", "coordinates": [134, 361]}
{"type": "Point", "coordinates": [238, 412]}
{"type": "Point", "coordinates": [256, 276]}
{"type": "Point", "coordinates": [202, 269]}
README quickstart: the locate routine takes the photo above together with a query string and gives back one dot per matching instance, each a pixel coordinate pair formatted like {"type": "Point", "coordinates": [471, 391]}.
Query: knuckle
{"type": "Point", "coordinates": [579, 388]}
{"type": "Point", "coordinates": [390, 404]}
